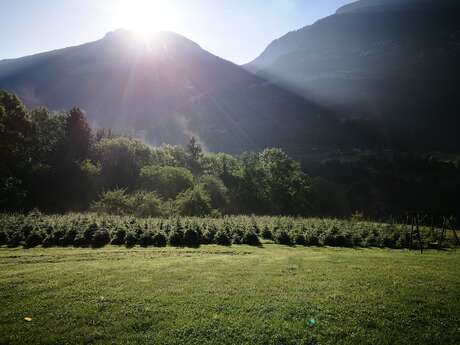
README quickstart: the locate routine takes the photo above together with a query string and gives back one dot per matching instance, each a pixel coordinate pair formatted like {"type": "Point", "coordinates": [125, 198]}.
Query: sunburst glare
{"type": "Point", "coordinates": [145, 17]}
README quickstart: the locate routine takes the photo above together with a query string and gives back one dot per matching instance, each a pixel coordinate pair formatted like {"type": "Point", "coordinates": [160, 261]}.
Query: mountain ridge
{"type": "Point", "coordinates": [166, 89]}
{"type": "Point", "coordinates": [397, 68]}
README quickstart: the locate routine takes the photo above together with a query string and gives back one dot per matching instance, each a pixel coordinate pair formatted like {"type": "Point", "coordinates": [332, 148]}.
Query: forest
{"type": "Point", "coordinates": [55, 162]}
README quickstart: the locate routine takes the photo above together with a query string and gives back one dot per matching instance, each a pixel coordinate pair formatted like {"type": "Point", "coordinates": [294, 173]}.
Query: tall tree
{"type": "Point", "coordinates": [194, 157]}
{"type": "Point", "coordinates": [79, 136]}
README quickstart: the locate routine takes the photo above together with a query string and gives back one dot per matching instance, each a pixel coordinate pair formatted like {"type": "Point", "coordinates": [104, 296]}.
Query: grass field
{"type": "Point", "coordinates": [229, 295]}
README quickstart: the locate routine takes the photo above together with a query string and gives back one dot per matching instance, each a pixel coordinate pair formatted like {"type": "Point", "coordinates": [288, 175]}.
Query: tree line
{"type": "Point", "coordinates": [55, 162]}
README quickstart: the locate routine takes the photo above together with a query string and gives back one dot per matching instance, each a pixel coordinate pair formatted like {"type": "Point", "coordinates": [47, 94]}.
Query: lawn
{"type": "Point", "coordinates": [229, 295]}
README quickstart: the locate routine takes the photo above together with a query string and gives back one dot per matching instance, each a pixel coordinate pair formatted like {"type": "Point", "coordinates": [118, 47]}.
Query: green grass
{"type": "Point", "coordinates": [235, 295]}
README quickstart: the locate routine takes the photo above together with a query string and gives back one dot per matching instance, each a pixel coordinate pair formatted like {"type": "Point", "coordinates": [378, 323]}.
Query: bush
{"type": "Point", "coordinates": [26, 230]}
{"type": "Point", "coordinates": [193, 202]}
{"type": "Point", "coordinates": [300, 240]}
{"type": "Point", "coordinates": [15, 239]}
{"type": "Point", "coordinates": [69, 237]}
{"type": "Point", "coordinates": [176, 238]}
{"type": "Point", "coordinates": [209, 234]}
{"type": "Point", "coordinates": [313, 239]}
{"type": "Point", "coordinates": [267, 234]}
{"type": "Point", "coordinates": [113, 202]}
{"type": "Point", "coordinates": [34, 239]}
{"type": "Point", "coordinates": [191, 238]}
{"type": "Point", "coordinates": [236, 238]}
{"type": "Point", "coordinates": [282, 237]}
{"type": "Point", "coordinates": [237, 233]}
{"type": "Point", "coordinates": [390, 241]}
{"type": "Point", "coordinates": [250, 238]}
{"type": "Point", "coordinates": [3, 238]}
{"type": "Point", "coordinates": [89, 232]}
{"type": "Point", "coordinates": [143, 204]}
{"type": "Point", "coordinates": [221, 238]}
{"type": "Point", "coordinates": [146, 239]}
{"type": "Point", "coordinates": [131, 239]}
{"type": "Point", "coordinates": [49, 241]}
{"type": "Point", "coordinates": [57, 236]}
{"type": "Point", "coordinates": [100, 238]}
{"type": "Point", "coordinates": [159, 240]}
{"type": "Point", "coordinates": [119, 237]}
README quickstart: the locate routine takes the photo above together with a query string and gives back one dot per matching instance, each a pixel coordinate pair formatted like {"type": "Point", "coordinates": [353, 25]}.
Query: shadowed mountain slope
{"type": "Point", "coordinates": [390, 64]}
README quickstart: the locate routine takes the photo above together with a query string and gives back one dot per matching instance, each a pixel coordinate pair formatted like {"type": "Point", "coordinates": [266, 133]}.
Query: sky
{"type": "Point", "coordinates": [236, 30]}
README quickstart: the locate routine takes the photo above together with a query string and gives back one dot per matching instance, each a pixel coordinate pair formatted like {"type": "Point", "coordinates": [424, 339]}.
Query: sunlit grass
{"type": "Point", "coordinates": [229, 295]}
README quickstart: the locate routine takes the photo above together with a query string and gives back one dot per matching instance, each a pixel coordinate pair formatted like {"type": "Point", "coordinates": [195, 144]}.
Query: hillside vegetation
{"type": "Point", "coordinates": [57, 163]}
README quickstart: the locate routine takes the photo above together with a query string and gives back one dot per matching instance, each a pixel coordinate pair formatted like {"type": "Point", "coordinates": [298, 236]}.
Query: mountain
{"type": "Point", "coordinates": [166, 89]}
{"type": "Point", "coordinates": [393, 65]}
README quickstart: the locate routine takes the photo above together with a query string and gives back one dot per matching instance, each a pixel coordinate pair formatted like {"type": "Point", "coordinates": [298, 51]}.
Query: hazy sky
{"type": "Point", "coordinates": [237, 30]}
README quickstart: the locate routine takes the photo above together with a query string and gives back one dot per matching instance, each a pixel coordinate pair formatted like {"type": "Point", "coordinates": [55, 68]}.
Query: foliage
{"type": "Point", "coordinates": [118, 202]}
{"type": "Point", "coordinates": [55, 162]}
{"type": "Point", "coordinates": [168, 182]}
{"type": "Point", "coordinates": [217, 191]}
{"type": "Point", "coordinates": [193, 202]}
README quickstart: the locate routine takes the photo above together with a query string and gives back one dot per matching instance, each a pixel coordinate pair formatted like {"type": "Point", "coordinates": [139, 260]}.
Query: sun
{"type": "Point", "coordinates": [145, 17]}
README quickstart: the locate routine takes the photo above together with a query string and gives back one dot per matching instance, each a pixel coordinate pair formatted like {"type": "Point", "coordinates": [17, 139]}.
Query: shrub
{"type": "Point", "coordinates": [313, 239]}
{"type": "Point", "coordinates": [131, 239]}
{"type": "Point", "coordinates": [119, 237]}
{"type": "Point", "coordinates": [390, 240]}
{"type": "Point", "coordinates": [222, 239]}
{"type": "Point", "coordinates": [113, 202]}
{"type": "Point", "coordinates": [3, 238]}
{"type": "Point", "coordinates": [100, 238]}
{"type": "Point", "coordinates": [209, 234]}
{"type": "Point", "coordinates": [15, 239]}
{"type": "Point", "coordinates": [49, 241]}
{"type": "Point", "coordinates": [69, 237]}
{"type": "Point", "coordinates": [236, 233]}
{"type": "Point", "coordinates": [159, 240]}
{"type": "Point", "coordinates": [372, 241]}
{"type": "Point", "coordinates": [357, 239]}
{"type": "Point", "coordinates": [191, 238]}
{"type": "Point", "coordinates": [334, 238]}
{"type": "Point", "coordinates": [176, 238]}
{"type": "Point", "coordinates": [282, 237]}
{"type": "Point", "coordinates": [57, 237]}
{"type": "Point", "coordinates": [34, 239]}
{"type": "Point", "coordinates": [236, 238]}
{"type": "Point", "coordinates": [250, 238]}
{"type": "Point", "coordinates": [146, 239]}
{"type": "Point", "coordinates": [267, 234]}
{"type": "Point", "coordinates": [144, 204]}
{"type": "Point", "coordinates": [27, 229]}
{"type": "Point", "coordinates": [193, 202]}
{"type": "Point", "coordinates": [300, 240]}
{"type": "Point", "coordinates": [89, 232]}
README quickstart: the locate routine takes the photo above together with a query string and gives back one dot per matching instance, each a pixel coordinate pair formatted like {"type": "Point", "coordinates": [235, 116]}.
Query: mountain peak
{"type": "Point", "coordinates": [158, 41]}
{"type": "Point", "coordinates": [395, 5]}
